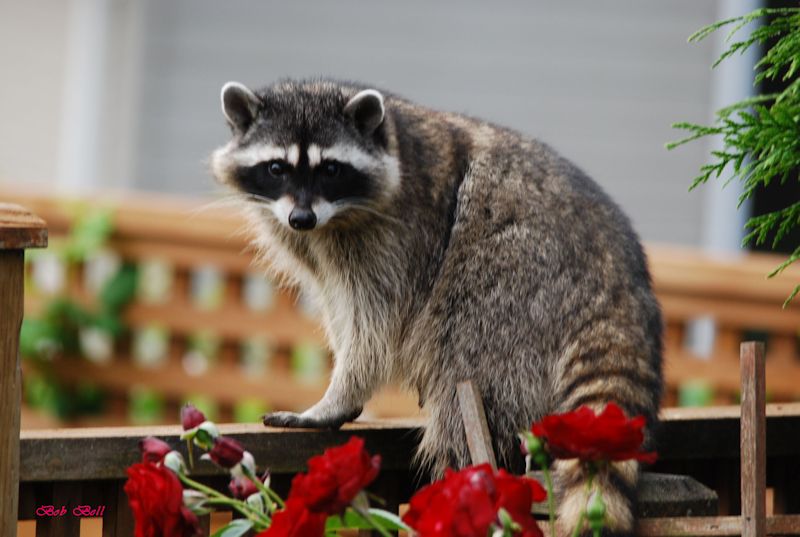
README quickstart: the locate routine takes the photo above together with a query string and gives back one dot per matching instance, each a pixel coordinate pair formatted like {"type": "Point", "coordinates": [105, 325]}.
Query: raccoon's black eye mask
{"type": "Point", "coordinates": [331, 180]}
{"type": "Point", "coordinates": [265, 179]}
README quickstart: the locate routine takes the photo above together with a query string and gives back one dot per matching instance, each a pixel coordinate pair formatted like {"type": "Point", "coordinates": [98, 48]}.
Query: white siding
{"type": "Point", "coordinates": [600, 81]}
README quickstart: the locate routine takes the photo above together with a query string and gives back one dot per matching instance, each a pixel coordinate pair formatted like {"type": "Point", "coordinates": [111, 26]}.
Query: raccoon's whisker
{"type": "Point", "coordinates": [257, 198]}
{"type": "Point", "coordinates": [358, 204]}
{"type": "Point", "coordinates": [231, 200]}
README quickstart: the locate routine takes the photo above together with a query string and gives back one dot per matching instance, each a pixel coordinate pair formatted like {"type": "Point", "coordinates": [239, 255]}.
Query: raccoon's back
{"type": "Point", "coordinates": [556, 268]}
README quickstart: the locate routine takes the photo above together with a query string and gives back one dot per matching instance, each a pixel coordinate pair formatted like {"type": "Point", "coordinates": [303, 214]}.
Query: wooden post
{"type": "Point", "coordinates": [479, 440]}
{"type": "Point", "coordinates": [753, 441]}
{"type": "Point", "coordinates": [19, 229]}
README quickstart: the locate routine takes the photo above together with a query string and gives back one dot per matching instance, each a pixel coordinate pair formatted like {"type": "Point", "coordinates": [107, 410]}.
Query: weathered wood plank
{"type": "Point", "coordinates": [60, 454]}
{"type": "Point", "coordinates": [11, 274]}
{"type": "Point", "coordinates": [479, 440]}
{"type": "Point", "coordinates": [712, 526]}
{"type": "Point", "coordinates": [753, 441]}
{"type": "Point", "coordinates": [20, 228]}
{"type": "Point", "coordinates": [684, 435]}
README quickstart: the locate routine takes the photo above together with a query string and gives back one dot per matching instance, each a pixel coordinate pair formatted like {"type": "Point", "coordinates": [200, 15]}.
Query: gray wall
{"type": "Point", "coordinates": [600, 81]}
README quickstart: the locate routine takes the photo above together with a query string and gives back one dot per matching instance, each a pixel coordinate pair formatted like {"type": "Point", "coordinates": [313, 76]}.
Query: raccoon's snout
{"type": "Point", "coordinates": [302, 219]}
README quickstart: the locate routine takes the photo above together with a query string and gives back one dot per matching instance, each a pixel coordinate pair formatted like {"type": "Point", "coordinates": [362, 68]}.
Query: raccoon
{"type": "Point", "coordinates": [443, 248]}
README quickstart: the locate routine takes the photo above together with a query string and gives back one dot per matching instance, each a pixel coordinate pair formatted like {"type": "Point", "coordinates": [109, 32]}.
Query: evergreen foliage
{"type": "Point", "coordinates": [761, 135]}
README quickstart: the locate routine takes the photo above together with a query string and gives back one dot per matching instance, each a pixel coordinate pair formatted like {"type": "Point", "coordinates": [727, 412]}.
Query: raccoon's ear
{"type": "Point", "coordinates": [239, 105]}
{"type": "Point", "coordinates": [366, 110]}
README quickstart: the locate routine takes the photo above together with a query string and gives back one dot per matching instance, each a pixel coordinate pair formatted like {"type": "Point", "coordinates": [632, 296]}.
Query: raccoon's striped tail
{"type": "Point", "coordinates": [616, 482]}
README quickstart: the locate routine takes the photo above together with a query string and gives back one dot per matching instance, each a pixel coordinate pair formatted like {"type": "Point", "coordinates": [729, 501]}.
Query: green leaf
{"type": "Point", "coordinates": [388, 520]}
{"type": "Point", "coordinates": [350, 519]}
{"type": "Point", "coordinates": [353, 520]}
{"type": "Point", "coordinates": [791, 296]}
{"type": "Point", "coordinates": [118, 291]}
{"type": "Point", "coordinates": [236, 528]}
{"type": "Point", "coordinates": [37, 338]}
{"type": "Point", "coordinates": [760, 135]}
{"type": "Point", "coordinates": [89, 232]}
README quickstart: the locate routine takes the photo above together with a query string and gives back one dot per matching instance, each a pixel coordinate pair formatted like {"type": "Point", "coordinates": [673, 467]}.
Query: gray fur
{"type": "Point", "coordinates": [493, 259]}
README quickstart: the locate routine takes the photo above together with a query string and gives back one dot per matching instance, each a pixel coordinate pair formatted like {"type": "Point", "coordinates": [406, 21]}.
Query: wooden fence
{"type": "Point", "coordinates": [190, 243]}
{"type": "Point", "coordinates": [72, 467]}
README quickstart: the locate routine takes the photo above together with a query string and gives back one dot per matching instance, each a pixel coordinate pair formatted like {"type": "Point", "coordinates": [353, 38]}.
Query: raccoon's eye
{"type": "Point", "coordinates": [330, 168]}
{"type": "Point", "coordinates": [276, 168]}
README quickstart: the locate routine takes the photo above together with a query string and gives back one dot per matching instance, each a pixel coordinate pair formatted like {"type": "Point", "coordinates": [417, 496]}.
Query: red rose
{"type": "Point", "coordinates": [335, 477]}
{"type": "Point", "coordinates": [191, 417]}
{"type": "Point", "coordinates": [581, 434]}
{"type": "Point", "coordinates": [226, 452]}
{"type": "Point", "coordinates": [516, 494]}
{"type": "Point", "coordinates": [295, 521]}
{"type": "Point", "coordinates": [153, 449]}
{"type": "Point", "coordinates": [466, 503]}
{"type": "Point", "coordinates": [156, 498]}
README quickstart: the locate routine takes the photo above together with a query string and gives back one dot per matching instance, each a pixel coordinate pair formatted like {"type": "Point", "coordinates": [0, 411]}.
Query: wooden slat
{"type": "Point", "coordinates": [20, 228]}
{"type": "Point", "coordinates": [479, 440]}
{"type": "Point", "coordinates": [712, 526]}
{"type": "Point", "coordinates": [62, 495]}
{"type": "Point", "coordinates": [783, 348]}
{"type": "Point", "coordinates": [782, 378]}
{"type": "Point", "coordinates": [753, 441]}
{"type": "Point", "coordinates": [11, 303]}
{"type": "Point", "coordinates": [786, 483]}
{"type": "Point", "coordinates": [118, 519]}
{"type": "Point", "coordinates": [152, 217]}
{"type": "Point", "coordinates": [732, 311]}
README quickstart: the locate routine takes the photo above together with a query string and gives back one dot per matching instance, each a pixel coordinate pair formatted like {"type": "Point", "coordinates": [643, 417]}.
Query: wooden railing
{"type": "Point", "coordinates": [733, 292]}
{"type": "Point", "coordinates": [743, 304]}
{"type": "Point", "coordinates": [86, 467]}
{"type": "Point", "coordinates": [74, 467]}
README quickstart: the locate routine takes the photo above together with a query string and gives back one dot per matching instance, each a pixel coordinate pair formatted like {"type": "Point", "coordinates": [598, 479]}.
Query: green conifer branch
{"type": "Point", "coordinates": [760, 134]}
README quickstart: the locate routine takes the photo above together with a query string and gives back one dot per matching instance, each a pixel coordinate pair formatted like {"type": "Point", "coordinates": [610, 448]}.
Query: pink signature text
{"type": "Point", "coordinates": [54, 511]}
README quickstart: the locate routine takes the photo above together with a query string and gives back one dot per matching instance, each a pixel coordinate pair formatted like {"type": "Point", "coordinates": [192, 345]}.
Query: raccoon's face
{"type": "Point", "coordinates": [311, 153]}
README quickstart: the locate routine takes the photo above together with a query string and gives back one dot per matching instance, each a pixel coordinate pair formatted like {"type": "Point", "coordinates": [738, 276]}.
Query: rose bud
{"type": "Point", "coordinates": [191, 417]}
{"type": "Point", "coordinates": [153, 449]}
{"type": "Point", "coordinates": [174, 461]}
{"type": "Point", "coordinates": [241, 488]}
{"type": "Point", "coordinates": [226, 452]}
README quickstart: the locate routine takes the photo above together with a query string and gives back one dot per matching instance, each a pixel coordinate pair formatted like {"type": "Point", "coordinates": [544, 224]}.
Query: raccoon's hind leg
{"type": "Point", "coordinates": [602, 371]}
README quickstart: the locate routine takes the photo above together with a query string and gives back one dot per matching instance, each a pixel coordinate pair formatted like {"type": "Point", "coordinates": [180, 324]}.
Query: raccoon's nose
{"type": "Point", "coordinates": [302, 219]}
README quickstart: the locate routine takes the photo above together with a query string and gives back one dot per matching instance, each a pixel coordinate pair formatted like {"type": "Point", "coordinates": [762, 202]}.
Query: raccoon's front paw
{"type": "Point", "coordinates": [290, 419]}
{"type": "Point", "coordinates": [305, 421]}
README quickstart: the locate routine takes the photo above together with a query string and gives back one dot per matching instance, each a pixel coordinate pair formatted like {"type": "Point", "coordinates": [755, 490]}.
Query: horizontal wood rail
{"type": "Point", "coordinates": [699, 434]}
